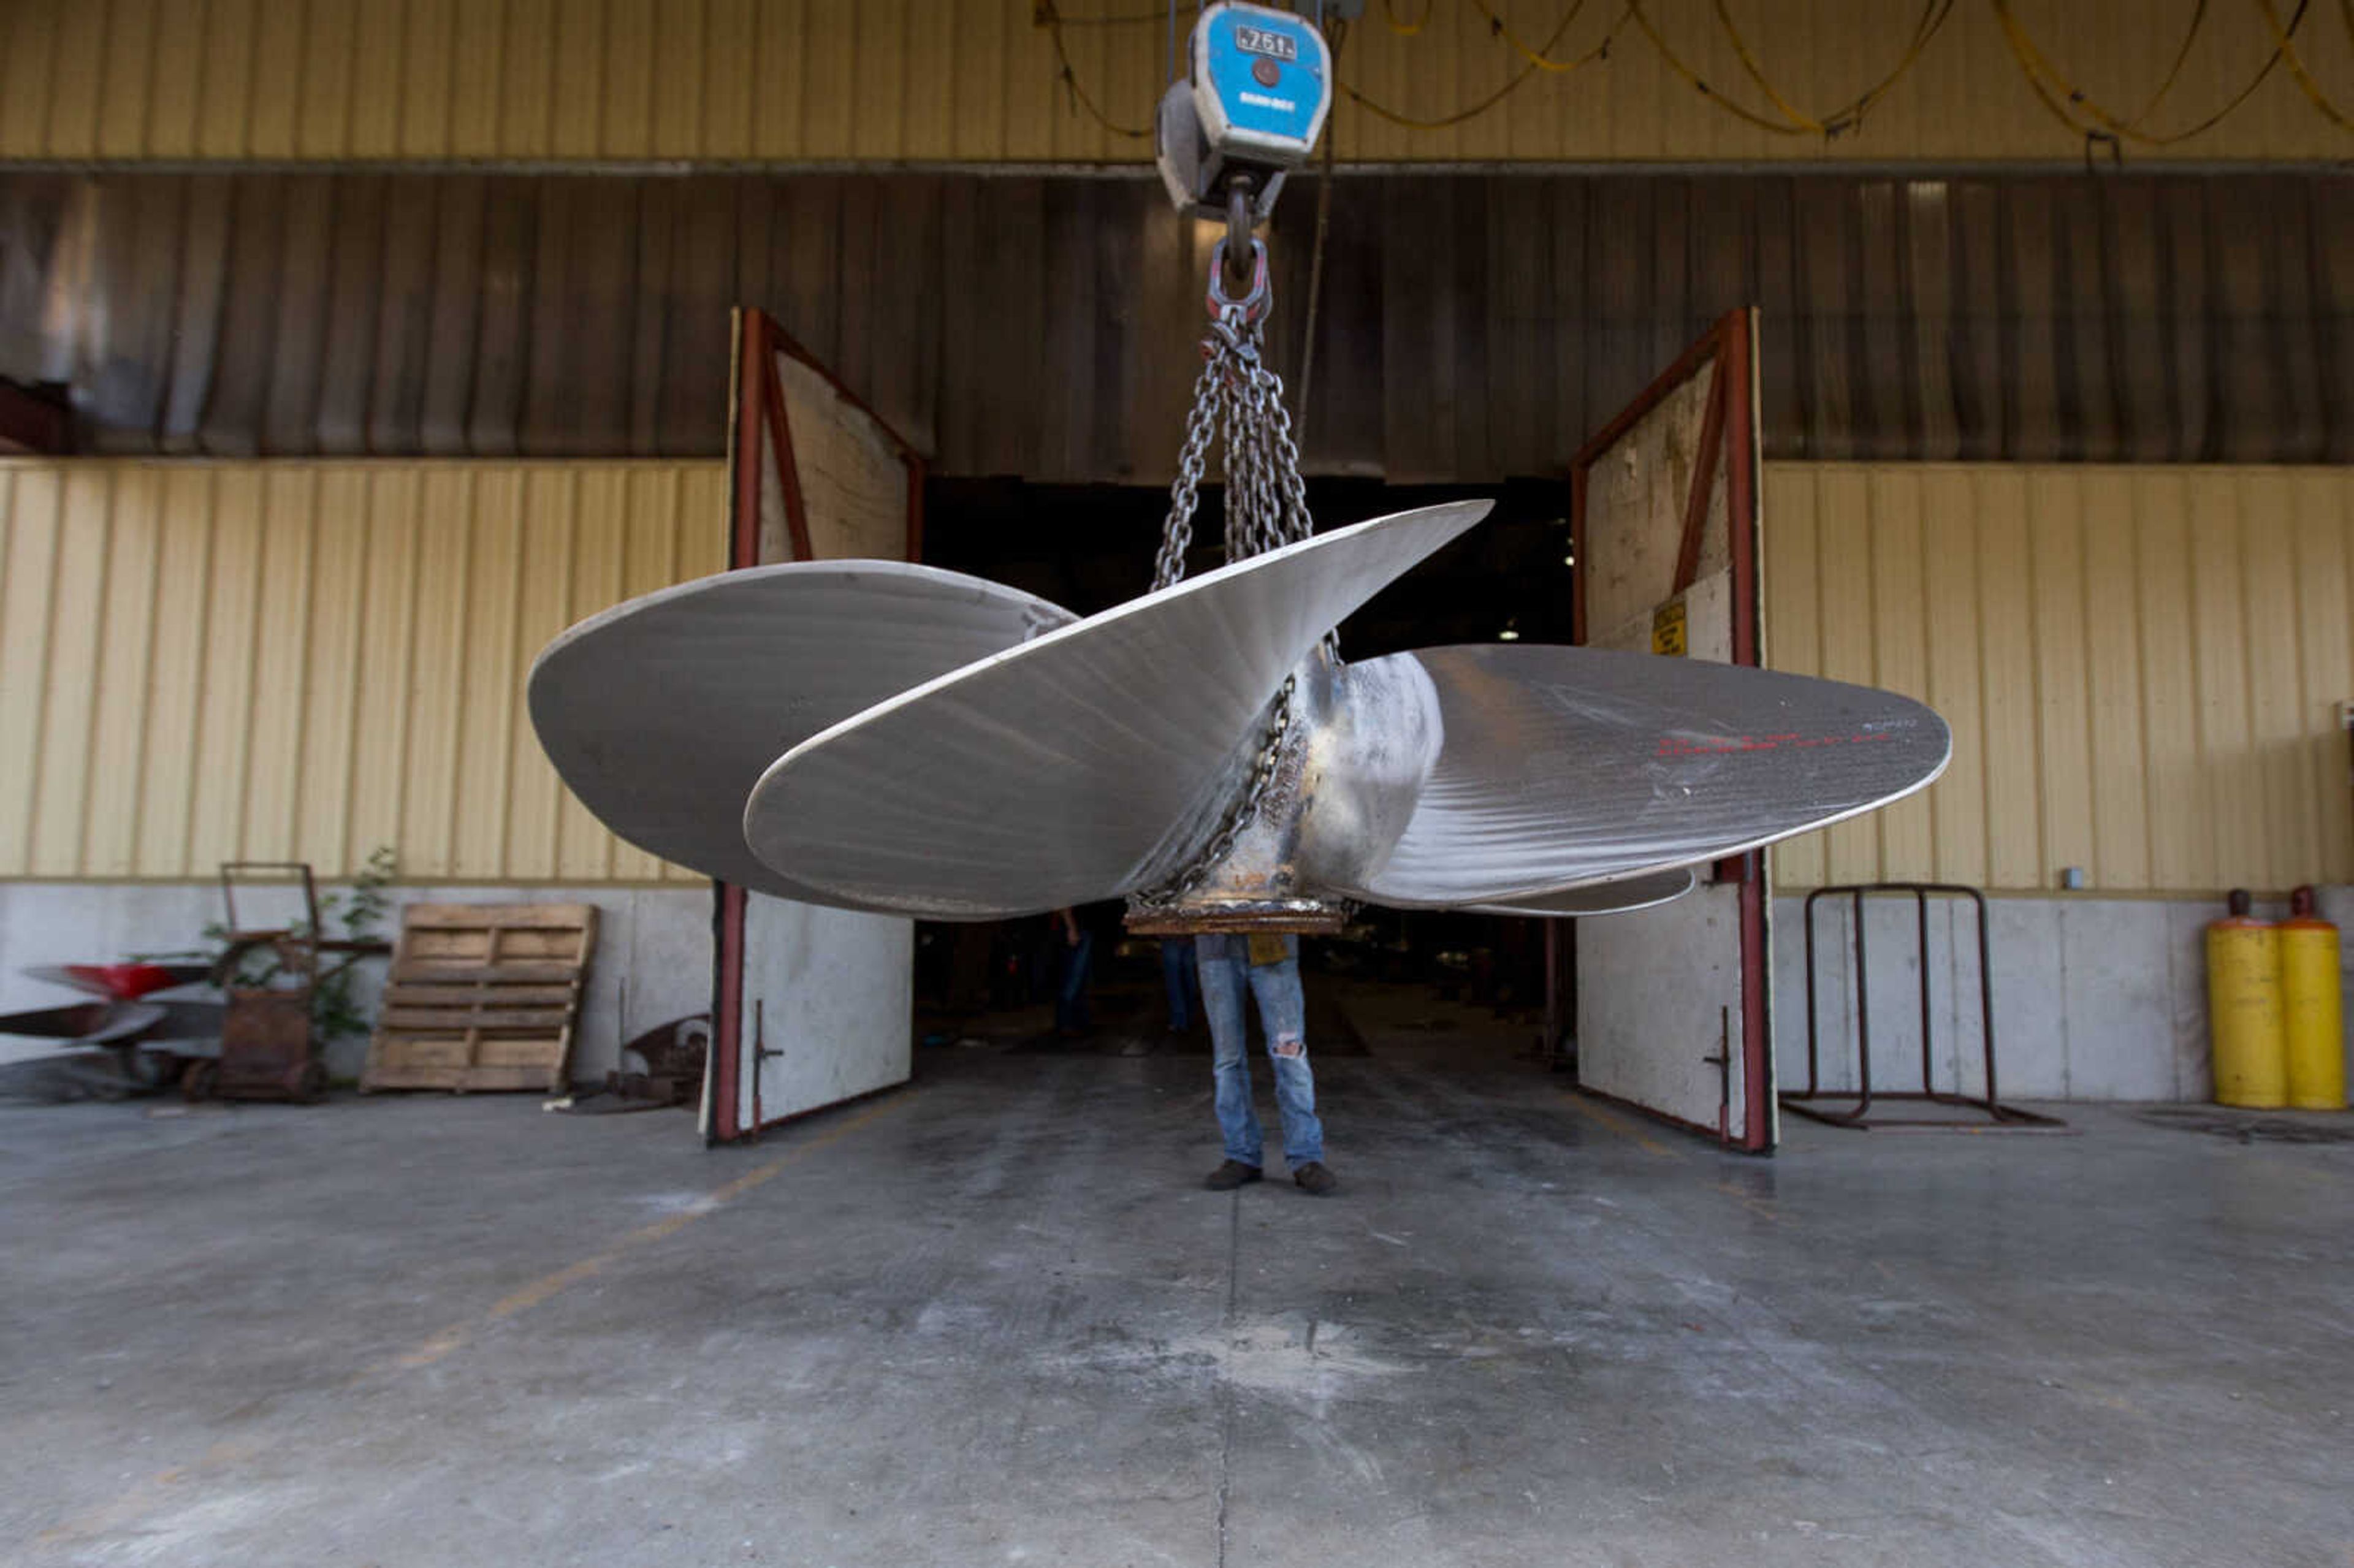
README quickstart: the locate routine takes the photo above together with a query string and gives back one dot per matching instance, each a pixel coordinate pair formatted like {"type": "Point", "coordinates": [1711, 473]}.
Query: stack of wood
{"type": "Point", "coordinates": [483, 996]}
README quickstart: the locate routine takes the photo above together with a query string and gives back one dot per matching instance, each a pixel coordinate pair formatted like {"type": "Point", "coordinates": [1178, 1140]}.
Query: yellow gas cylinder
{"type": "Point", "coordinates": [2243, 1009]}
{"type": "Point", "coordinates": [2312, 1011]}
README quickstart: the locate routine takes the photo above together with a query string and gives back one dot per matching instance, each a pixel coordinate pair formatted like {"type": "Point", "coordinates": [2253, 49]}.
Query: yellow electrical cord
{"type": "Point", "coordinates": [1518, 78]}
{"type": "Point", "coordinates": [1052, 22]}
{"type": "Point", "coordinates": [2067, 103]}
{"type": "Point", "coordinates": [2305, 84]}
{"type": "Point", "coordinates": [1692, 80]}
{"type": "Point", "coordinates": [1406, 29]}
{"type": "Point", "coordinates": [1537, 58]}
{"type": "Point", "coordinates": [1933, 16]}
{"type": "Point", "coordinates": [2181, 58]}
{"type": "Point", "coordinates": [2046, 80]}
{"type": "Point", "coordinates": [1795, 116]}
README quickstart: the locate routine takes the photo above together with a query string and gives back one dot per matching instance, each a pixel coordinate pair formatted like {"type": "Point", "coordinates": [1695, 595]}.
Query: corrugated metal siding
{"type": "Point", "coordinates": [1471, 326]}
{"type": "Point", "coordinates": [798, 81]}
{"type": "Point", "coordinates": [310, 659]}
{"type": "Point", "coordinates": [2141, 666]}
{"type": "Point", "coordinates": [202, 661]}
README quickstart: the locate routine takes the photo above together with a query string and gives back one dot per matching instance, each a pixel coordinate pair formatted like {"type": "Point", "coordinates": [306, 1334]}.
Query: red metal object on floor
{"type": "Point", "coordinates": [129, 982]}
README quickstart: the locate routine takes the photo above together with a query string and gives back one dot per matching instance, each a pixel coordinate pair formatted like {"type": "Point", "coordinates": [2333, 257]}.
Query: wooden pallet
{"type": "Point", "coordinates": [483, 996]}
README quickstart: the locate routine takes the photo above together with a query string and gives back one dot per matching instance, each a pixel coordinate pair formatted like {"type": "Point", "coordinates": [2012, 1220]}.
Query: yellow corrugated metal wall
{"type": "Point", "coordinates": [2141, 666]}
{"type": "Point", "coordinates": [799, 80]}
{"type": "Point", "coordinates": [202, 661]}
{"type": "Point", "coordinates": [306, 661]}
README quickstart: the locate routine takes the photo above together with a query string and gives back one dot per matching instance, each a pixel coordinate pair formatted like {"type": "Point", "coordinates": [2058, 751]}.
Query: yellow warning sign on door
{"type": "Point", "coordinates": [1668, 627]}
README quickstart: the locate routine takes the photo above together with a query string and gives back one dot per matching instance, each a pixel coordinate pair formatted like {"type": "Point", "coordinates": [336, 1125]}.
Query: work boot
{"type": "Point", "coordinates": [1231, 1175]}
{"type": "Point", "coordinates": [1314, 1178]}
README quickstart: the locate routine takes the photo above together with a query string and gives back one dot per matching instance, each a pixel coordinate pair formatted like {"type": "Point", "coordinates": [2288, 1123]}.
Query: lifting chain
{"type": "Point", "coordinates": [1265, 502]}
{"type": "Point", "coordinates": [1238, 812]}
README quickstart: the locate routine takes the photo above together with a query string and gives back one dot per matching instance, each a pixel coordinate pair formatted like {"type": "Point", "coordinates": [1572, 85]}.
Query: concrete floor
{"type": "Point", "coordinates": [992, 1319]}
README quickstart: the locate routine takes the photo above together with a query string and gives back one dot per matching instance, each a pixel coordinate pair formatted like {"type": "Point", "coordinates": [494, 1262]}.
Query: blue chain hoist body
{"type": "Point", "coordinates": [1253, 101]}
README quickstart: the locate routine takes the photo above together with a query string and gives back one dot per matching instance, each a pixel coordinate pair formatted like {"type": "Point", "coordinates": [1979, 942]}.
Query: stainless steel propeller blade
{"type": "Point", "coordinates": [1619, 897]}
{"type": "Point", "coordinates": [1079, 765]}
{"type": "Point", "coordinates": [661, 714]}
{"type": "Point", "coordinates": [1561, 767]}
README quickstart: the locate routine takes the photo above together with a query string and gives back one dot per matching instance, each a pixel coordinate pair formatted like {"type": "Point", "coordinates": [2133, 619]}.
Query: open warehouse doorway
{"type": "Point", "coordinates": [1514, 578]}
{"type": "Point", "coordinates": [811, 1004]}
{"type": "Point", "coordinates": [1090, 547]}
{"type": "Point", "coordinates": [1675, 1018]}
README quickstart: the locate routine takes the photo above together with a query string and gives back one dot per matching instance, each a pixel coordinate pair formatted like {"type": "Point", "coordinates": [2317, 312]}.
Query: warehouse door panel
{"type": "Point", "coordinates": [811, 1006]}
{"type": "Point", "coordinates": [1673, 1010]}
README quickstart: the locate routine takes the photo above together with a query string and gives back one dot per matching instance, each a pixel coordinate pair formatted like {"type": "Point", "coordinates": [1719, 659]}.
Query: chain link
{"type": "Point", "coordinates": [1200, 425]}
{"type": "Point", "coordinates": [1239, 395]}
{"type": "Point", "coordinates": [1238, 814]}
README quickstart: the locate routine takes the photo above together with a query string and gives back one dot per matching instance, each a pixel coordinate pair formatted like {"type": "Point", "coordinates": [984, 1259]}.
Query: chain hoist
{"type": "Point", "coordinates": [1249, 109]}
{"type": "Point", "coordinates": [1252, 108]}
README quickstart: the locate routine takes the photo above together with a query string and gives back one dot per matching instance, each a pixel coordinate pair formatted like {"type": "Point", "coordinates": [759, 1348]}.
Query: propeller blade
{"type": "Point", "coordinates": [661, 714]}
{"type": "Point", "coordinates": [1081, 765]}
{"type": "Point", "coordinates": [1619, 897]}
{"type": "Point", "coordinates": [1562, 767]}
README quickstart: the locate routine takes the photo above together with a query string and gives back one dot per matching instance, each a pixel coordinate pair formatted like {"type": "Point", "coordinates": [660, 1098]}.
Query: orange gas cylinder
{"type": "Point", "coordinates": [2243, 1009]}
{"type": "Point", "coordinates": [2312, 1011]}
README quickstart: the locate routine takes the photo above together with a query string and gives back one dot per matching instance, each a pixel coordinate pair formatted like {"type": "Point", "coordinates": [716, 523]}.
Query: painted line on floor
{"type": "Point", "coordinates": [143, 1497]}
{"type": "Point", "coordinates": [1611, 1121]}
{"type": "Point", "coordinates": [457, 1335]}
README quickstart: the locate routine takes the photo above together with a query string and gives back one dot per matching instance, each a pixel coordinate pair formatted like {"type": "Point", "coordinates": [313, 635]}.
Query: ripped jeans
{"type": "Point", "coordinates": [1226, 969]}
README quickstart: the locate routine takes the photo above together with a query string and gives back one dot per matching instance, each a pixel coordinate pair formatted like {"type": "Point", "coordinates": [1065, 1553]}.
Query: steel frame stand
{"type": "Point", "coordinates": [1812, 1101]}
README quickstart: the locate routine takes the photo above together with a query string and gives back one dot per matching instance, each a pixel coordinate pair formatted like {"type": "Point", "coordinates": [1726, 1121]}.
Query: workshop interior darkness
{"type": "Point", "coordinates": [1090, 547]}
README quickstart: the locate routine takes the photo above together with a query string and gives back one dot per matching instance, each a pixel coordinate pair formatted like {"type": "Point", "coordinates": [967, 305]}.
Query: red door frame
{"type": "Point", "coordinates": [757, 423]}
{"type": "Point", "coordinates": [1728, 351]}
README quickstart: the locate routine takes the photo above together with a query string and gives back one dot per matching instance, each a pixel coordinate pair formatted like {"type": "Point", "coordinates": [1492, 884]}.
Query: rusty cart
{"type": "Point", "coordinates": [268, 1050]}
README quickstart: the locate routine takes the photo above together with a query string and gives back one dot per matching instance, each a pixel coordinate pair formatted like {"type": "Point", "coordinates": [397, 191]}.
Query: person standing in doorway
{"type": "Point", "coordinates": [1268, 967]}
{"type": "Point", "coordinates": [1072, 1018]}
{"type": "Point", "coordinates": [1181, 979]}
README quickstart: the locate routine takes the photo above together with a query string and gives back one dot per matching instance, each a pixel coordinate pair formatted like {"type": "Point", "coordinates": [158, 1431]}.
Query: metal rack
{"type": "Point", "coordinates": [1814, 1101]}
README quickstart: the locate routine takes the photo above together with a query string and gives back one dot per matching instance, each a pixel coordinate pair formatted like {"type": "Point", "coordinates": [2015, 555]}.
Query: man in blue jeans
{"type": "Point", "coordinates": [1181, 978]}
{"type": "Point", "coordinates": [1071, 1013]}
{"type": "Point", "coordinates": [1269, 967]}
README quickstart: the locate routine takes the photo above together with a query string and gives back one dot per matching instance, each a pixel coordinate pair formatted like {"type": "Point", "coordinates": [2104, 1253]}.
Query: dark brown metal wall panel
{"type": "Point", "coordinates": [1471, 325]}
{"type": "Point", "coordinates": [131, 370]}
{"type": "Point", "coordinates": [340, 424]}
